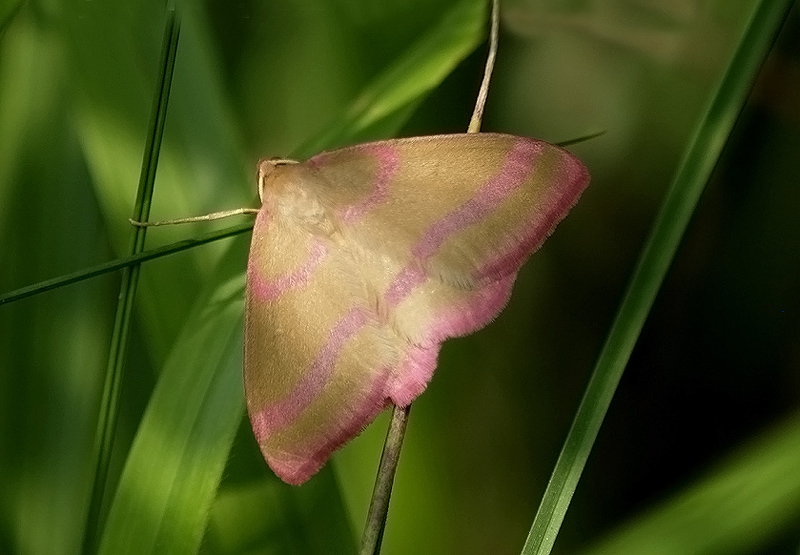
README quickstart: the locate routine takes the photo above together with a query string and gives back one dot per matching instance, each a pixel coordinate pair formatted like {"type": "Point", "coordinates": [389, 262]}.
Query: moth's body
{"type": "Point", "coordinates": [365, 259]}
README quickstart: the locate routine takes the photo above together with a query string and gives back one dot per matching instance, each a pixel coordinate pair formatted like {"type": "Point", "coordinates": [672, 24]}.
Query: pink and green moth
{"type": "Point", "coordinates": [365, 259]}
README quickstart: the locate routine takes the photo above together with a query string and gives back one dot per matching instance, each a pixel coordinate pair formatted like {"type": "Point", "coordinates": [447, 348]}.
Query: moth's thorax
{"type": "Point", "coordinates": [286, 194]}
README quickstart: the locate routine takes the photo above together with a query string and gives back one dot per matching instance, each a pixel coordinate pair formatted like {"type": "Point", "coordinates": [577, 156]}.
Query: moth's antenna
{"type": "Point", "coordinates": [477, 114]}
{"type": "Point", "coordinates": [192, 219]}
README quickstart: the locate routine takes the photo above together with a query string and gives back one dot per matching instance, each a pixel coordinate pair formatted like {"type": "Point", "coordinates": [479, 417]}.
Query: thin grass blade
{"type": "Point", "coordinates": [676, 211]}
{"type": "Point", "coordinates": [7, 13]}
{"type": "Point", "coordinates": [113, 265]}
{"type": "Point", "coordinates": [109, 404]}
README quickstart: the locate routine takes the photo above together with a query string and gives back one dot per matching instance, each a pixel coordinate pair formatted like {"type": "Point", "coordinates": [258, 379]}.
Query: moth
{"type": "Point", "coordinates": [365, 259]}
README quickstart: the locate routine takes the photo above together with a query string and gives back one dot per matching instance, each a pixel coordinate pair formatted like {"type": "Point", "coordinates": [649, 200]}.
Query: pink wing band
{"type": "Point", "coordinates": [480, 308]}
{"type": "Point", "coordinates": [388, 164]}
{"type": "Point", "coordinates": [269, 290]}
{"type": "Point", "coordinates": [533, 234]}
{"type": "Point", "coordinates": [411, 378]}
{"type": "Point", "coordinates": [277, 416]}
{"type": "Point", "coordinates": [409, 278]}
{"type": "Point", "coordinates": [515, 170]}
{"type": "Point", "coordinates": [388, 159]}
{"type": "Point", "coordinates": [296, 469]}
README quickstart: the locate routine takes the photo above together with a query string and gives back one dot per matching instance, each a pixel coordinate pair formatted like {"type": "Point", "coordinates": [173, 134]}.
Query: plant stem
{"type": "Point", "coordinates": [379, 506]}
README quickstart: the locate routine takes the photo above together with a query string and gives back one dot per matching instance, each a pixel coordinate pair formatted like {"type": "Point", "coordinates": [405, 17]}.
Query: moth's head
{"type": "Point", "coordinates": [268, 170]}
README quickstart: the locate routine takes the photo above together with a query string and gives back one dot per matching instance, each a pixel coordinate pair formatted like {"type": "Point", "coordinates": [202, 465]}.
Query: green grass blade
{"type": "Point", "coordinates": [182, 445]}
{"type": "Point", "coordinates": [134, 259]}
{"type": "Point", "coordinates": [7, 14]}
{"type": "Point", "coordinates": [413, 76]}
{"type": "Point", "coordinates": [109, 405]}
{"type": "Point", "coordinates": [668, 229]}
{"type": "Point", "coordinates": [733, 509]}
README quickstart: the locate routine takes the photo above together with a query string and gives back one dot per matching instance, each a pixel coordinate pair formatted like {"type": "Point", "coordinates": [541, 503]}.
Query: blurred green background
{"type": "Point", "coordinates": [700, 452]}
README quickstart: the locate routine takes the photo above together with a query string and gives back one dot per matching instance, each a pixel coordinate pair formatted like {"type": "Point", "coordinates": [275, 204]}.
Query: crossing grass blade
{"type": "Point", "coordinates": [106, 267]}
